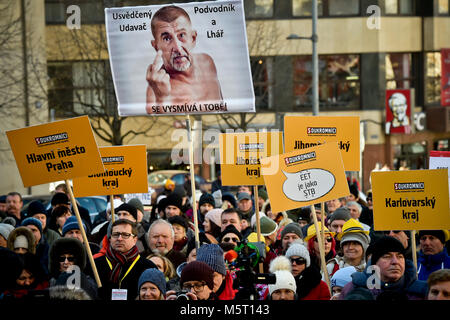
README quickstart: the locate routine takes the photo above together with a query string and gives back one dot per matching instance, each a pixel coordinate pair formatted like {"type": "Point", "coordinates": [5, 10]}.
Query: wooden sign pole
{"type": "Point", "coordinates": [258, 224]}
{"type": "Point", "coordinates": [321, 248]}
{"type": "Point", "coordinates": [112, 208]}
{"type": "Point", "coordinates": [413, 247]}
{"type": "Point", "coordinates": [83, 233]}
{"type": "Point", "coordinates": [191, 169]}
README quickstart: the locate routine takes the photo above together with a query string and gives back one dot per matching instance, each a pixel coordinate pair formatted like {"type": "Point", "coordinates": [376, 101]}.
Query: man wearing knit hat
{"type": "Point", "coordinates": [173, 205]}
{"type": "Point", "coordinates": [395, 277]}
{"type": "Point", "coordinates": [289, 234]}
{"type": "Point", "coordinates": [37, 210]}
{"type": "Point", "coordinates": [433, 255]}
{"type": "Point", "coordinates": [337, 219]}
{"type": "Point", "coordinates": [71, 229]}
{"type": "Point", "coordinates": [198, 279]}
{"type": "Point", "coordinates": [42, 246]}
{"type": "Point", "coordinates": [213, 256]}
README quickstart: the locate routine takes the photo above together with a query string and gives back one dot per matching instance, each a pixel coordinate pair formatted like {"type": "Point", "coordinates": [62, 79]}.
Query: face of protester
{"type": "Point", "coordinates": [199, 288]}
{"type": "Point", "coordinates": [352, 250]}
{"type": "Point", "coordinates": [288, 239]}
{"type": "Point", "coordinates": [176, 40]}
{"type": "Point", "coordinates": [179, 231]}
{"type": "Point", "coordinates": [125, 215]}
{"type": "Point", "coordinates": [66, 260]}
{"type": "Point", "coordinates": [118, 235]}
{"type": "Point", "coordinates": [192, 256]}
{"type": "Point", "coordinates": [244, 224]}
{"type": "Point", "coordinates": [218, 279]}
{"type": "Point", "coordinates": [302, 223]}
{"type": "Point", "coordinates": [400, 236]}
{"type": "Point", "coordinates": [75, 233]}
{"type": "Point", "coordinates": [25, 279]}
{"type": "Point", "coordinates": [14, 204]}
{"type": "Point", "coordinates": [245, 189]}
{"type": "Point", "coordinates": [298, 265]}
{"type": "Point", "coordinates": [336, 226]}
{"type": "Point", "coordinates": [62, 219]}
{"type": "Point", "coordinates": [172, 211]}
{"type": "Point", "coordinates": [204, 208]}
{"type": "Point", "coordinates": [158, 262]}
{"type": "Point", "coordinates": [392, 266]}
{"type": "Point", "coordinates": [350, 197]}
{"type": "Point", "coordinates": [439, 291]}
{"type": "Point", "coordinates": [42, 218]}
{"type": "Point", "coordinates": [230, 218]}
{"type": "Point", "coordinates": [245, 205]}
{"type": "Point", "coordinates": [332, 205]}
{"type": "Point", "coordinates": [354, 212]}
{"type": "Point", "coordinates": [327, 245]}
{"type": "Point", "coordinates": [283, 294]}
{"type": "Point", "coordinates": [149, 291]}
{"type": "Point", "coordinates": [231, 237]}
{"type": "Point", "coordinates": [3, 207]}
{"type": "Point", "coordinates": [35, 231]}
{"type": "Point", "coordinates": [160, 239]}
{"type": "Point", "coordinates": [207, 225]}
{"type": "Point", "coordinates": [430, 245]}
{"type": "Point", "coordinates": [20, 250]}
{"type": "Point", "coordinates": [3, 242]}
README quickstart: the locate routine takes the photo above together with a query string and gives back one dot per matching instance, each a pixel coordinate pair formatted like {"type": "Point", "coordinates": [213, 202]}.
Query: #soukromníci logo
{"type": "Point", "coordinates": [321, 130]}
{"type": "Point", "coordinates": [50, 139]}
{"type": "Point", "coordinates": [409, 186]}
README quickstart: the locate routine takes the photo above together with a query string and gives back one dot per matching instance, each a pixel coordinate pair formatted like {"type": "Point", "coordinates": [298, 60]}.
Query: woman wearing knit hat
{"type": "Point", "coordinates": [151, 285]}
{"type": "Point", "coordinates": [354, 241]}
{"type": "Point", "coordinates": [212, 224]}
{"type": "Point", "coordinates": [285, 287]}
{"type": "Point", "coordinates": [313, 245]}
{"type": "Point", "coordinates": [198, 279]}
{"type": "Point", "coordinates": [307, 276]}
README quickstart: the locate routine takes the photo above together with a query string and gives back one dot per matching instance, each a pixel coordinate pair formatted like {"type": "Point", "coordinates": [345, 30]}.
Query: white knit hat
{"type": "Point", "coordinates": [215, 215]}
{"type": "Point", "coordinates": [21, 242]}
{"type": "Point", "coordinates": [285, 280]}
{"type": "Point", "coordinates": [298, 249]}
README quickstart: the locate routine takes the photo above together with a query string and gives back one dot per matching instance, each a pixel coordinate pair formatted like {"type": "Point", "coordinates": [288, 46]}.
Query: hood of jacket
{"type": "Point", "coordinates": [22, 231]}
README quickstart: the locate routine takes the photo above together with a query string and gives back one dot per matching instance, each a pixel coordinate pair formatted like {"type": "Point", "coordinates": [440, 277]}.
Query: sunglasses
{"type": "Point", "coordinates": [63, 259]}
{"type": "Point", "coordinates": [230, 239]}
{"type": "Point", "coordinates": [327, 239]}
{"type": "Point", "coordinates": [298, 261]}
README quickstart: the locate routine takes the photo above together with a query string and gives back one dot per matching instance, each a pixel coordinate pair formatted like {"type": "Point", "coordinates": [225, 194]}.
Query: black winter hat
{"type": "Point", "coordinates": [180, 221]}
{"type": "Point", "coordinates": [440, 234]}
{"type": "Point", "coordinates": [384, 245]}
{"type": "Point", "coordinates": [230, 229]}
{"type": "Point", "coordinates": [354, 190]}
{"type": "Point", "coordinates": [206, 198]}
{"type": "Point", "coordinates": [36, 207]}
{"type": "Point", "coordinates": [174, 199]}
{"type": "Point", "coordinates": [128, 208]}
{"type": "Point", "coordinates": [60, 198]}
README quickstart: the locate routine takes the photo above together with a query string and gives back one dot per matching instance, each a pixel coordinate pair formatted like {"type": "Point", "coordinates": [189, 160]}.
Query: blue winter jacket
{"type": "Point", "coordinates": [426, 264]}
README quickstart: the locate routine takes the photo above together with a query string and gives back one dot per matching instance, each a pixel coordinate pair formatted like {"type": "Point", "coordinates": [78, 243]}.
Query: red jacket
{"type": "Point", "coordinates": [320, 292]}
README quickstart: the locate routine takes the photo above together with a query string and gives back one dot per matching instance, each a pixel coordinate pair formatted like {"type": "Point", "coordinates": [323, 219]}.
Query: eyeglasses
{"type": "Point", "coordinates": [125, 235]}
{"type": "Point", "coordinates": [230, 239]}
{"type": "Point", "coordinates": [69, 258]}
{"type": "Point", "coordinates": [197, 287]}
{"type": "Point", "coordinates": [327, 239]}
{"type": "Point", "coordinates": [298, 261]}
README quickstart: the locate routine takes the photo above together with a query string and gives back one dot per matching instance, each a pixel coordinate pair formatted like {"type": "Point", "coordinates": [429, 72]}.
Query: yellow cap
{"type": "Point", "coordinates": [169, 185]}
{"type": "Point", "coordinates": [312, 231]}
{"type": "Point", "coordinates": [351, 226]}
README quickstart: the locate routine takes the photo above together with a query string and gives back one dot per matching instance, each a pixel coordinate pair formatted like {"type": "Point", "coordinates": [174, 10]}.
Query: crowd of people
{"type": "Point", "coordinates": [155, 254]}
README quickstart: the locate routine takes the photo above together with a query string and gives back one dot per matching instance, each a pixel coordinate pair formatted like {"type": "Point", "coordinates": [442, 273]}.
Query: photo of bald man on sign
{"type": "Point", "coordinates": [177, 75]}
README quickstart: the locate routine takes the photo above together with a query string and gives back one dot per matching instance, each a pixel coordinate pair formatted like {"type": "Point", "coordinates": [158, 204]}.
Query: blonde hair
{"type": "Point", "coordinates": [169, 269]}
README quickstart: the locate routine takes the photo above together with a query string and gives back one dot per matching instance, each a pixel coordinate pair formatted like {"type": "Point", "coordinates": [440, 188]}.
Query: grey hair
{"type": "Point", "coordinates": [354, 203]}
{"type": "Point", "coordinates": [161, 221]}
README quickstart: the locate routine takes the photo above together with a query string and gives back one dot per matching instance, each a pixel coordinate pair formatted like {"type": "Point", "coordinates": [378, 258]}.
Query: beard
{"type": "Point", "coordinates": [180, 62]}
{"type": "Point", "coordinates": [160, 251]}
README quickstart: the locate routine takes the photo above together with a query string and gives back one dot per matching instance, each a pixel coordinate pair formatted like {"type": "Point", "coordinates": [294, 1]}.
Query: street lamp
{"type": "Point", "coordinates": [315, 57]}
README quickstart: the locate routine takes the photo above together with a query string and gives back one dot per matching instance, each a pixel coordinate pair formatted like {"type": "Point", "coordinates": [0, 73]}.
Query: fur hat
{"type": "Point", "coordinates": [293, 227]}
{"type": "Point", "coordinates": [284, 280]}
{"type": "Point", "coordinates": [215, 216]}
{"type": "Point", "coordinates": [154, 276]}
{"type": "Point", "coordinates": [33, 221]}
{"type": "Point", "coordinates": [197, 271]}
{"type": "Point", "coordinates": [128, 208]}
{"type": "Point", "coordinates": [25, 232]}
{"type": "Point", "coordinates": [384, 245]}
{"type": "Point", "coordinates": [212, 255]}
{"type": "Point", "coordinates": [71, 224]}
{"type": "Point", "coordinates": [62, 246]}
{"type": "Point", "coordinates": [297, 249]}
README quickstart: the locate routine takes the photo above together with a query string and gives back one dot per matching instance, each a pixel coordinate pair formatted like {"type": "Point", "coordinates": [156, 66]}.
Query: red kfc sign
{"type": "Point", "coordinates": [398, 111]}
{"type": "Point", "coordinates": [445, 77]}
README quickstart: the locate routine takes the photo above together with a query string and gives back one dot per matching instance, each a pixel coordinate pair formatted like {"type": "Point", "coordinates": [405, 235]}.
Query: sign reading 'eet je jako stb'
{"type": "Point", "coordinates": [125, 172]}
{"type": "Point", "coordinates": [304, 177]}
{"type": "Point", "coordinates": [302, 132]}
{"type": "Point", "coordinates": [410, 200]}
{"type": "Point", "coordinates": [55, 151]}
{"type": "Point", "coordinates": [240, 155]}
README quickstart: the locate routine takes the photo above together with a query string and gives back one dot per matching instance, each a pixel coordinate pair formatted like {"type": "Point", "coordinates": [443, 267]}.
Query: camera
{"type": "Point", "coordinates": [182, 295]}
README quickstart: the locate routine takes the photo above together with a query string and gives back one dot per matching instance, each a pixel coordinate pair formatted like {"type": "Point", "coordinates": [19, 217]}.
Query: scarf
{"type": "Point", "coordinates": [118, 261]}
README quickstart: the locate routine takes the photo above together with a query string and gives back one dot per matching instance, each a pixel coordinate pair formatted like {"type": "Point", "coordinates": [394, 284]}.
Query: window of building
{"type": "Point", "coordinates": [90, 11]}
{"type": "Point", "coordinates": [262, 81]}
{"type": "Point", "coordinates": [258, 8]}
{"type": "Point", "coordinates": [433, 78]}
{"type": "Point", "coordinates": [343, 7]}
{"type": "Point", "coordinates": [396, 7]}
{"type": "Point", "coordinates": [339, 81]}
{"type": "Point", "coordinates": [443, 7]}
{"type": "Point", "coordinates": [399, 71]}
{"type": "Point", "coordinates": [77, 88]}
{"type": "Point", "coordinates": [303, 8]}
{"type": "Point", "coordinates": [411, 156]}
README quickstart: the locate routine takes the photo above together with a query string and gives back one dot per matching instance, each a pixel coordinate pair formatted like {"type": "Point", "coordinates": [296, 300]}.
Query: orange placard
{"type": "Point", "coordinates": [125, 172]}
{"type": "Point", "coordinates": [410, 200]}
{"type": "Point", "coordinates": [240, 155]}
{"type": "Point", "coordinates": [55, 151]}
{"type": "Point", "coordinates": [304, 177]}
{"type": "Point", "coordinates": [302, 132]}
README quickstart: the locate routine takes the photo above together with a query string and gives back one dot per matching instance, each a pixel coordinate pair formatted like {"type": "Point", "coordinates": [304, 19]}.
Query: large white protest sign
{"type": "Point", "coordinates": [186, 58]}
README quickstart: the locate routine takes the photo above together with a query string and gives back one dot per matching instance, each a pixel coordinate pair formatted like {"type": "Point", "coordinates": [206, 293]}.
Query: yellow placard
{"type": "Point", "coordinates": [410, 200]}
{"type": "Point", "coordinates": [304, 177]}
{"type": "Point", "coordinates": [55, 151]}
{"type": "Point", "coordinates": [240, 155]}
{"type": "Point", "coordinates": [302, 132]}
{"type": "Point", "coordinates": [125, 172]}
